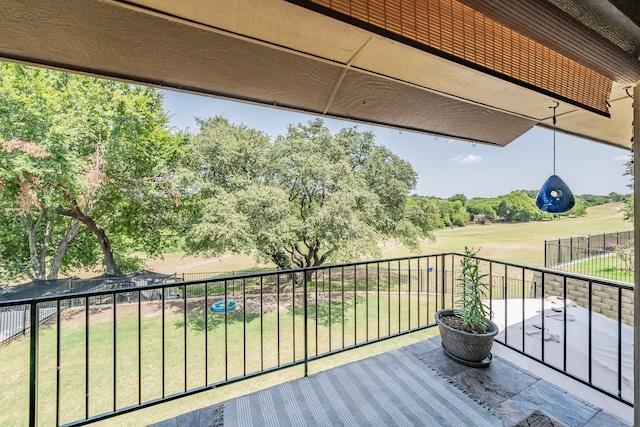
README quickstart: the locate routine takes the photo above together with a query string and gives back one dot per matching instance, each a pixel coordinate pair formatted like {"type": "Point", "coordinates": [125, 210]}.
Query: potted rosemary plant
{"type": "Point", "coordinates": [466, 331]}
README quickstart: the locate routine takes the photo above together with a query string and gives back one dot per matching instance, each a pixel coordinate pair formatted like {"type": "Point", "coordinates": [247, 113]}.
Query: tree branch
{"type": "Point", "coordinates": [69, 235]}
{"type": "Point", "coordinates": [75, 211]}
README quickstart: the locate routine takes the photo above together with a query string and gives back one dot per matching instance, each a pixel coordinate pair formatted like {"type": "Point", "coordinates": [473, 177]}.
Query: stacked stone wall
{"type": "Point", "coordinates": [604, 299]}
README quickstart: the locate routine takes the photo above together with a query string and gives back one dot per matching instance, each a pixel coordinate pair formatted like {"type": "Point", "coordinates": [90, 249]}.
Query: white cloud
{"type": "Point", "coordinates": [624, 158]}
{"type": "Point", "coordinates": [465, 160]}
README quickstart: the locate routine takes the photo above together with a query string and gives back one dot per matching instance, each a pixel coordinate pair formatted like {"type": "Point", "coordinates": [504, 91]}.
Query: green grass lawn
{"type": "Point", "coordinates": [521, 243]}
{"type": "Point", "coordinates": [252, 344]}
{"type": "Point", "coordinates": [607, 267]}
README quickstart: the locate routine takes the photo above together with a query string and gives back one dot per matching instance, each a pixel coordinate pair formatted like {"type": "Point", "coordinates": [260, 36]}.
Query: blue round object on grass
{"type": "Point", "coordinates": [225, 305]}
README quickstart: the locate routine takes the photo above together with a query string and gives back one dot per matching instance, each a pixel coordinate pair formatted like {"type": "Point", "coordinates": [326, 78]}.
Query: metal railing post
{"type": "Point", "coordinates": [306, 320]}
{"type": "Point", "coordinates": [33, 366]}
{"type": "Point", "coordinates": [442, 282]}
{"type": "Point", "coordinates": [24, 320]}
{"type": "Point", "coordinates": [571, 249]}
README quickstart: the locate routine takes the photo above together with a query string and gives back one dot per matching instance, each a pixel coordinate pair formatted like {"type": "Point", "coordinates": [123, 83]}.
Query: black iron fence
{"type": "Point", "coordinates": [15, 321]}
{"type": "Point", "coordinates": [608, 255]}
{"type": "Point", "coordinates": [114, 351]}
{"type": "Point", "coordinates": [187, 277]}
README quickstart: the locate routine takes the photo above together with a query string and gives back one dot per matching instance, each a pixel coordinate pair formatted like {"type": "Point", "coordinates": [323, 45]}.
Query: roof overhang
{"type": "Point", "coordinates": [314, 57]}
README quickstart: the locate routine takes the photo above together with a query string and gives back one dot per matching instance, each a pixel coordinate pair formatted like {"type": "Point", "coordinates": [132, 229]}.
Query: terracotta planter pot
{"type": "Point", "coordinates": [465, 346]}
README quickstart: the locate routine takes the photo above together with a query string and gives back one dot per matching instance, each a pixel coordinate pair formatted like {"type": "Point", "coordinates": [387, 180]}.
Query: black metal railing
{"type": "Point", "coordinates": [613, 264]}
{"type": "Point", "coordinates": [105, 353]}
{"type": "Point", "coordinates": [15, 321]}
{"type": "Point", "coordinates": [607, 255]}
{"type": "Point", "coordinates": [569, 249]}
{"type": "Point", "coordinates": [578, 325]}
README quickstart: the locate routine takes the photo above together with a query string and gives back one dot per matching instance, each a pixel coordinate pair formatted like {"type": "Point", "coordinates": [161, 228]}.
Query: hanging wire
{"type": "Point", "coordinates": [554, 136]}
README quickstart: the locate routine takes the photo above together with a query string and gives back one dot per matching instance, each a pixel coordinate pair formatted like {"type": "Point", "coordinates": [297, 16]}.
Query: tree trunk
{"type": "Point", "coordinates": [70, 233]}
{"type": "Point", "coordinates": [107, 251]}
{"type": "Point", "coordinates": [280, 259]}
{"type": "Point", "coordinates": [309, 275]}
{"type": "Point", "coordinates": [75, 211]}
{"type": "Point", "coordinates": [34, 253]}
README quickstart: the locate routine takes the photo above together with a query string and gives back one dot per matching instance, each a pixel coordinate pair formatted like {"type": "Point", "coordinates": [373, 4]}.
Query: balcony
{"type": "Point", "coordinates": [414, 385]}
{"type": "Point", "coordinates": [99, 355]}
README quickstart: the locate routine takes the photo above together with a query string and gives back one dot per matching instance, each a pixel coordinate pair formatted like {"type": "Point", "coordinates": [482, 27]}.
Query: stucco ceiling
{"type": "Point", "coordinates": [284, 55]}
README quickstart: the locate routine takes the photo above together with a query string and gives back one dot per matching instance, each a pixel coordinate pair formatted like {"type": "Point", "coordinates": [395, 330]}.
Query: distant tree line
{"type": "Point", "coordinates": [517, 206]}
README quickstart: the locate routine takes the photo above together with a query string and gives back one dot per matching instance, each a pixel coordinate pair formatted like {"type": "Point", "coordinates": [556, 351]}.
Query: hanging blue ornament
{"type": "Point", "coordinates": [555, 196]}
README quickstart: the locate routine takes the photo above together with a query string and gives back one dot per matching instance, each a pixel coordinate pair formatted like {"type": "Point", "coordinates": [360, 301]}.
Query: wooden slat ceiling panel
{"type": "Point", "coordinates": [545, 23]}
{"type": "Point", "coordinates": [455, 29]}
{"type": "Point", "coordinates": [359, 9]}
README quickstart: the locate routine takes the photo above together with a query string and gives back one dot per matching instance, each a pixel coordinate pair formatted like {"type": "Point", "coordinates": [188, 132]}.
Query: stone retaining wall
{"type": "Point", "coordinates": [604, 299]}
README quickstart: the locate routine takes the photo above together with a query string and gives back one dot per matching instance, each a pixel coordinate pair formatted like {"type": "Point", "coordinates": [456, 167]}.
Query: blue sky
{"type": "Point", "coordinates": [445, 167]}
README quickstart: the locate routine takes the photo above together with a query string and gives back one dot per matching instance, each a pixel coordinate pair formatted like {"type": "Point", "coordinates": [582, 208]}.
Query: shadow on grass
{"type": "Point", "coordinates": [196, 321]}
{"type": "Point", "coordinates": [328, 313]}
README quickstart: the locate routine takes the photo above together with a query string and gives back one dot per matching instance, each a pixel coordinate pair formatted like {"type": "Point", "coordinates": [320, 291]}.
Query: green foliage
{"type": "Point", "coordinates": [470, 307]}
{"type": "Point", "coordinates": [454, 213]}
{"type": "Point", "coordinates": [530, 193]}
{"type": "Point", "coordinates": [304, 199]}
{"type": "Point", "coordinates": [615, 197]}
{"type": "Point", "coordinates": [424, 213]}
{"type": "Point", "coordinates": [486, 207]}
{"type": "Point", "coordinates": [594, 200]}
{"type": "Point", "coordinates": [625, 254]}
{"type": "Point", "coordinates": [129, 263]}
{"type": "Point", "coordinates": [580, 209]}
{"type": "Point", "coordinates": [517, 206]}
{"type": "Point", "coordinates": [459, 197]}
{"type": "Point", "coordinates": [80, 157]}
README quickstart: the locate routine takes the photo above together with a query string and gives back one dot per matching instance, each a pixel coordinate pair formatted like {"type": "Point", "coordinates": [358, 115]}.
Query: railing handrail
{"type": "Point", "coordinates": [72, 295]}
{"type": "Point", "coordinates": [589, 236]}
{"type": "Point", "coordinates": [212, 280]}
{"type": "Point", "coordinates": [551, 271]}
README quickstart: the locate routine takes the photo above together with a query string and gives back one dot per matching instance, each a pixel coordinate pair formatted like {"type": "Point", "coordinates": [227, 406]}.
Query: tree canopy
{"type": "Point", "coordinates": [517, 206]}
{"type": "Point", "coordinates": [486, 207]}
{"type": "Point", "coordinates": [307, 198]}
{"type": "Point", "coordinates": [83, 161]}
{"type": "Point", "coordinates": [454, 213]}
